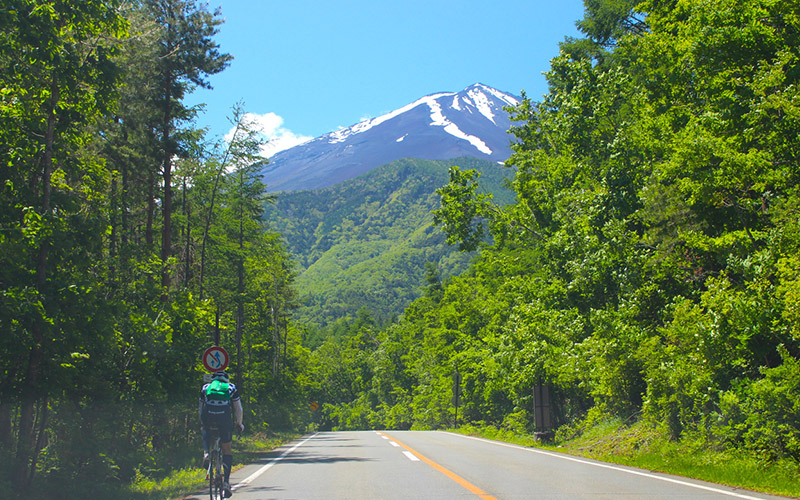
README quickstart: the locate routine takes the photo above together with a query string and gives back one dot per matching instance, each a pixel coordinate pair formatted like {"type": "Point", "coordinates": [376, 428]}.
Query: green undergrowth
{"type": "Point", "coordinates": [645, 446]}
{"type": "Point", "coordinates": [183, 482]}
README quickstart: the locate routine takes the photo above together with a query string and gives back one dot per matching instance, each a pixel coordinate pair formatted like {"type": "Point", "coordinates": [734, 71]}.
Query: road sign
{"type": "Point", "coordinates": [314, 406]}
{"type": "Point", "coordinates": [215, 359]}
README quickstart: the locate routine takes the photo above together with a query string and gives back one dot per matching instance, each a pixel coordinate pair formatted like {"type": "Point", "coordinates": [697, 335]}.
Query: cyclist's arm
{"type": "Point", "coordinates": [237, 412]}
{"type": "Point", "coordinates": [201, 402]}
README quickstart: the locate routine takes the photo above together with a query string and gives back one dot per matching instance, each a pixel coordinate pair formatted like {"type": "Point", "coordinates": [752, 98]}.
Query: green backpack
{"type": "Point", "coordinates": [218, 391]}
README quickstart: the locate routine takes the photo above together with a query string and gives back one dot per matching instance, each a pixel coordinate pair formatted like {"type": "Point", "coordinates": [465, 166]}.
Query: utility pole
{"type": "Point", "coordinates": [456, 393]}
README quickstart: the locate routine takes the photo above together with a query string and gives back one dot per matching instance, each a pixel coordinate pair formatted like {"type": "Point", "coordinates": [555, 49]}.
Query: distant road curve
{"type": "Point", "coordinates": [406, 465]}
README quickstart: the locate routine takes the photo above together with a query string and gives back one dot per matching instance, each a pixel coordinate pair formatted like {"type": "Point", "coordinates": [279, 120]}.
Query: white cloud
{"type": "Point", "coordinates": [278, 138]}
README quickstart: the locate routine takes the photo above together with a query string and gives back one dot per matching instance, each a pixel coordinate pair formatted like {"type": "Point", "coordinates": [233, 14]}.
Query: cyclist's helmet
{"type": "Point", "coordinates": [223, 376]}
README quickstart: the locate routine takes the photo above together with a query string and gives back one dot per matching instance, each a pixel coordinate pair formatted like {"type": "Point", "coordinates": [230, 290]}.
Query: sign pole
{"type": "Point", "coordinates": [216, 329]}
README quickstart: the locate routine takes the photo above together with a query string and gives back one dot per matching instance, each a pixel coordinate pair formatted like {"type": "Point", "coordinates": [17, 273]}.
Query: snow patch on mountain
{"type": "Point", "coordinates": [359, 128]}
{"type": "Point", "coordinates": [438, 120]}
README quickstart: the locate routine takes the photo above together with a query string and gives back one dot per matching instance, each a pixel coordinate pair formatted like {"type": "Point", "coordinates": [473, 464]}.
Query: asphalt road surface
{"type": "Point", "coordinates": [395, 465]}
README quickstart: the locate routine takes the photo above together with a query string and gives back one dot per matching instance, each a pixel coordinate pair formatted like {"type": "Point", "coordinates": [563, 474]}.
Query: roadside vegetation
{"type": "Point", "coordinates": [646, 447]}
{"type": "Point", "coordinates": [182, 482]}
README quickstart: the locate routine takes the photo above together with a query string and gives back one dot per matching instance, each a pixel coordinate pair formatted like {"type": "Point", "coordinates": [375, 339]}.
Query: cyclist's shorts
{"type": "Point", "coordinates": [219, 418]}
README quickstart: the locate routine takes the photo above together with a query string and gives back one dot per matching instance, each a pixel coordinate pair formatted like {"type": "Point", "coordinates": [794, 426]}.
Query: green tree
{"type": "Point", "coordinates": [67, 82]}
{"type": "Point", "coordinates": [187, 55]}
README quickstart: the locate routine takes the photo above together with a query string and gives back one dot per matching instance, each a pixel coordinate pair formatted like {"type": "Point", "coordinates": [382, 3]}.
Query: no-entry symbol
{"type": "Point", "coordinates": [215, 359]}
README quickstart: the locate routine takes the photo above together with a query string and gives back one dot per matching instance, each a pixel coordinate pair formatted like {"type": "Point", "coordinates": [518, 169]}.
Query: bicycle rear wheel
{"type": "Point", "coordinates": [215, 478]}
{"type": "Point", "coordinates": [211, 479]}
{"type": "Point", "coordinates": [219, 491]}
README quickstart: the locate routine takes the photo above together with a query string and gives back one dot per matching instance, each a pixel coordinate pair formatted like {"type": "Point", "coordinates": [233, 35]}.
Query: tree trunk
{"type": "Point", "coordinates": [124, 199]}
{"type": "Point", "coordinates": [151, 209]}
{"type": "Point", "coordinates": [276, 335]}
{"type": "Point", "coordinates": [40, 439]}
{"type": "Point", "coordinates": [112, 239]}
{"type": "Point", "coordinates": [239, 328]}
{"type": "Point", "coordinates": [166, 202]}
{"type": "Point", "coordinates": [240, 295]}
{"type": "Point", "coordinates": [187, 268]}
{"type": "Point", "coordinates": [211, 211]}
{"type": "Point", "coordinates": [30, 389]}
{"type": "Point", "coordinates": [5, 424]}
{"type": "Point", "coordinates": [166, 234]}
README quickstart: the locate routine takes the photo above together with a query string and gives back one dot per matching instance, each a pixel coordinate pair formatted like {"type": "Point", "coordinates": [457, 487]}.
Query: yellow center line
{"type": "Point", "coordinates": [452, 475]}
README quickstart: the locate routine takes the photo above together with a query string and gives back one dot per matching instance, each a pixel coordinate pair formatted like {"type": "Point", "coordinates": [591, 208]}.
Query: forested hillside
{"type": "Point", "coordinates": [367, 243]}
{"type": "Point", "coordinates": [649, 270]}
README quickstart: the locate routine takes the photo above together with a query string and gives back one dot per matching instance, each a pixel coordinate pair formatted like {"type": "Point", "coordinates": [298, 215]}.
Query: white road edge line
{"type": "Point", "coordinates": [612, 467]}
{"type": "Point", "coordinates": [411, 456]}
{"type": "Point", "coordinates": [252, 477]}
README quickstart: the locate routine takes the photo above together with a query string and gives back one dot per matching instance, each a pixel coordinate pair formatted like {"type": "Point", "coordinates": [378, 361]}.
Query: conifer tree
{"type": "Point", "coordinates": [188, 54]}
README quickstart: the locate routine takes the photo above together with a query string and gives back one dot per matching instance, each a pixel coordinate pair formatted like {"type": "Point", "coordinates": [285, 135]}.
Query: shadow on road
{"type": "Point", "coordinates": [313, 458]}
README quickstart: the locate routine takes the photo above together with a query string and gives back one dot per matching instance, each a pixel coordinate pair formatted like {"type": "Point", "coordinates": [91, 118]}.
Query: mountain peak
{"type": "Point", "coordinates": [439, 126]}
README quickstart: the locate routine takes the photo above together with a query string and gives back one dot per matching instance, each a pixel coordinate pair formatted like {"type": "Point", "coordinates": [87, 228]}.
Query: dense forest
{"type": "Point", "coordinates": [130, 243]}
{"type": "Point", "coordinates": [648, 269]}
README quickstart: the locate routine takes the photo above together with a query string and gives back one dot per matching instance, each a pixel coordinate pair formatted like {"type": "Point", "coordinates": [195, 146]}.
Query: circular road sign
{"type": "Point", "coordinates": [215, 359]}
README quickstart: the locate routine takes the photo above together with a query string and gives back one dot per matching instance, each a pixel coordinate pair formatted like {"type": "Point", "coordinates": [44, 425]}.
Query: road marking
{"type": "Point", "coordinates": [452, 475]}
{"type": "Point", "coordinates": [611, 467]}
{"type": "Point", "coordinates": [411, 456]}
{"type": "Point", "coordinates": [274, 461]}
{"type": "Point", "coordinates": [394, 444]}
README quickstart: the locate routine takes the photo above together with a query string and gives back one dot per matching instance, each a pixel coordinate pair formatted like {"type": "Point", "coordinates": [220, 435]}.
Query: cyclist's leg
{"type": "Point", "coordinates": [226, 436]}
{"type": "Point", "coordinates": [204, 436]}
{"type": "Point", "coordinates": [227, 460]}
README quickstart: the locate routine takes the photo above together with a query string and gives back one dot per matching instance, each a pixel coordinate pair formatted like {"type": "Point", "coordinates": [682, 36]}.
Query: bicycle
{"type": "Point", "coordinates": [214, 473]}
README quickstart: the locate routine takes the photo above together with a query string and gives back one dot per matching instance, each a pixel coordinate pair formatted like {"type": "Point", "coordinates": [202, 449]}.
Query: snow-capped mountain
{"type": "Point", "coordinates": [436, 127]}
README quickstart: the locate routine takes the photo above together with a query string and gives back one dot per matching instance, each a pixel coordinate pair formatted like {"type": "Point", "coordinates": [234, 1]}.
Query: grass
{"type": "Point", "coordinates": [177, 485]}
{"type": "Point", "coordinates": [183, 482]}
{"type": "Point", "coordinates": [644, 446]}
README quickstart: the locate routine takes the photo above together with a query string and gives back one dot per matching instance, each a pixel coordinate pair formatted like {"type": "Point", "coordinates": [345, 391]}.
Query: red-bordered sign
{"type": "Point", "coordinates": [215, 359]}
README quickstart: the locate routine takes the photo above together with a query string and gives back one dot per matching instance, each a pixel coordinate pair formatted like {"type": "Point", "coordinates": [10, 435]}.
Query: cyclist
{"type": "Point", "coordinates": [221, 408]}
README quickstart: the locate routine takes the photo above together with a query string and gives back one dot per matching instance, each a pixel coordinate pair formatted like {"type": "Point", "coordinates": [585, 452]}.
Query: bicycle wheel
{"type": "Point", "coordinates": [211, 478]}
{"type": "Point", "coordinates": [219, 492]}
{"type": "Point", "coordinates": [216, 486]}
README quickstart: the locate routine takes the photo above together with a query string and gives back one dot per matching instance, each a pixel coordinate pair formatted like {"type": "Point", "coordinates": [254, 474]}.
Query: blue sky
{"type": "Point", "coordinates": [304, 68]}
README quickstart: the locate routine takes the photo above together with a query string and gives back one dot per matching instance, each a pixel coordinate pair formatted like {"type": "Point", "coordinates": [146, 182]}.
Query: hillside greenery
{"type": "Point", "coordinates": [648, 272]}
{"type": "Point", "coordinates": [367, 243]}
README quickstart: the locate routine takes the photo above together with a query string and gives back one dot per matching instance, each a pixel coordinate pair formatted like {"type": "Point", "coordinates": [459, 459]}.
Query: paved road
{"type": "Point", "coordinates": [442, 466]}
